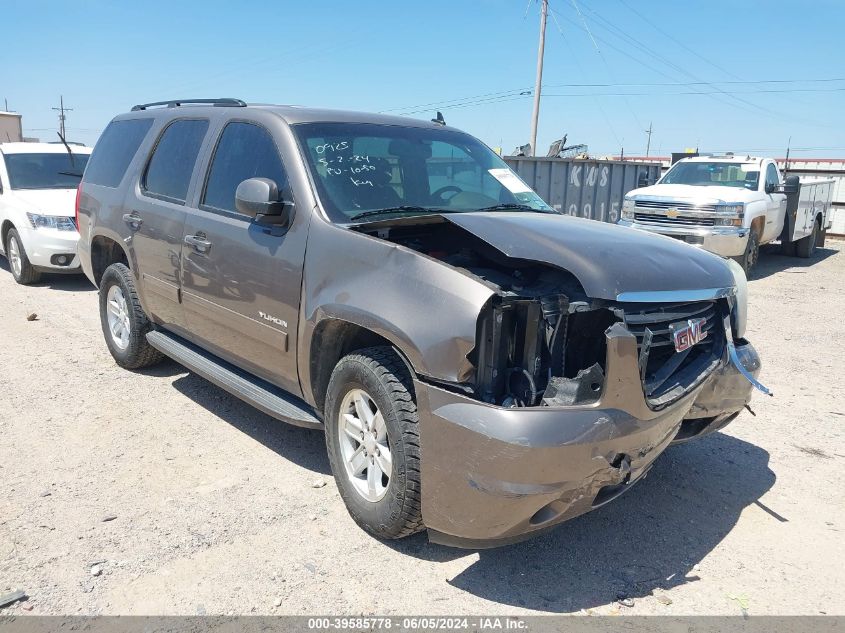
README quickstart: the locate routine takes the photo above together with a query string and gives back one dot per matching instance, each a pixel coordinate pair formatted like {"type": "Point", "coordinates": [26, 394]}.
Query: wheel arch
{"type": "Point", "coordinates": [106, 251]}
{"type": "Point", "coordinates": [334, 338]}
{"type": "Point", "coordinates": [4, 231]}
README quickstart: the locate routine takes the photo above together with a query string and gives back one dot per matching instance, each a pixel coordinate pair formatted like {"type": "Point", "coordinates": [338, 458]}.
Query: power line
{"type": "Point", "coordinates": [604, 60]}
{"type": "Point", "coordinates": [642, 47]}
{"type": "Point", "coordinates": [583, 74]}
{"type": "Point", "coordinates": [678, 42]}
{"type": "Point", "coordinates": [527, 90]}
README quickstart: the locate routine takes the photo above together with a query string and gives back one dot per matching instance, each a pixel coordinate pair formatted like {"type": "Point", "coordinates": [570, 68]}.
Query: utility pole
{"type": "Point", "coordinates": [61, 110]}
{"type": "Point", "coordinates": [648, 145]}
{"type": "Point", "coordinates": [786, 162]}
{"type": "Point", "coordinates": [538, 84]}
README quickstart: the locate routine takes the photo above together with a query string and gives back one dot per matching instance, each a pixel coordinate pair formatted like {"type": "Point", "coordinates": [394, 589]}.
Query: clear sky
{"type": "Point", "coordinates": [469, 59]}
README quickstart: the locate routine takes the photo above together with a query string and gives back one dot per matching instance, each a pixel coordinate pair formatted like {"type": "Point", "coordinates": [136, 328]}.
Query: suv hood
{"type": "Point", "coordinates": [701, 194]}
{"type": "Point", "coordinates": [58, 202]}
{"type": "Point", "coordinates": [607, 259]}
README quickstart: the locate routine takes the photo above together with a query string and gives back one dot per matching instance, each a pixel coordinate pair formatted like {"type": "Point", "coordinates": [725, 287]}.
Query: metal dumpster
{"type": "Point", "coordinates": [585, 188]}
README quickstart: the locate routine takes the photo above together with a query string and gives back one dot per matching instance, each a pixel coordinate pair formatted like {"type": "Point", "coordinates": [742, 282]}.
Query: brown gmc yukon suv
{"type": "Point", "coordinates": [483, 367]}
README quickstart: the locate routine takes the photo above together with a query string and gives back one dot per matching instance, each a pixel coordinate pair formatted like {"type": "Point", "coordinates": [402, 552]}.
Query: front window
{"type": "Point", "coordinates": [45, 171]}
{"type": "Point", "coordinates": [717, 174]}
{"type": "Point", "coordinates": [373, 171]}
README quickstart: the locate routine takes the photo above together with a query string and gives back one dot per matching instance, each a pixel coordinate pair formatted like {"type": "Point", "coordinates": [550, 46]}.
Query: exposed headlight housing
{"type": "Point", "coordinates": [730, 214]}
{"type": "Point", "coordinates": [58, 222]}
{"type": "Point", "coordinates": [628, 208]}
{"type": "Point", "coordinates": [739, 310]}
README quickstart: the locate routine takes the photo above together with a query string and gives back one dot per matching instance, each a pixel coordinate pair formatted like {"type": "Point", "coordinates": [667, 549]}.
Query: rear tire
{"type": "Point", "coordinates": [124, 323]}
{"type": "Point", "coordinates": [372, 427]}
{"type": "Point", "coordinates": [806, 246]}
{"type": "Point", "coordinates": [22, 270]}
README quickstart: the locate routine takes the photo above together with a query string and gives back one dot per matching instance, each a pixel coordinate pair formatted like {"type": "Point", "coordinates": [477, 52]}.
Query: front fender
{"type": "Point", "coordinates": [424, 307]}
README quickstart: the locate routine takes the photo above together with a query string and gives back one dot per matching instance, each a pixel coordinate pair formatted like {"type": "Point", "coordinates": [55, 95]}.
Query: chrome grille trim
{"type": "Point", "coordinates": [673, 204]}
{"type": "Point", "coordinates": [681, 220]}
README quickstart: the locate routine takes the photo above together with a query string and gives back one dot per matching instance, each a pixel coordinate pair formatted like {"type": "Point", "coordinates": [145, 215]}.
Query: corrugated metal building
{"type": "Point", "coordinates": [582, 187]}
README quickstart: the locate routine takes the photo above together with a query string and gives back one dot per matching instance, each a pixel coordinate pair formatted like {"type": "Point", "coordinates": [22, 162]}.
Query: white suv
{"type": "Point", "coordinates": [38, 183]}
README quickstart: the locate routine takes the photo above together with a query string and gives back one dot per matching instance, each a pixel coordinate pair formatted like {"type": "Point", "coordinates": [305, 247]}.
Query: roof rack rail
{"type": "Point", "coordinates": [175, 103]}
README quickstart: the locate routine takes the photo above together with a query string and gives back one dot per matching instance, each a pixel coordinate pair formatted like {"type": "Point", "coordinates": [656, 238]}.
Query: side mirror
{"type": "Point", "coordinates": [642, 180]}
{"type": "Point", "coordinates": [770, 187]}
{"type": "Point", "coordinates": [259, 198]}
{"type": "Point", "coordinates": [792, 184]}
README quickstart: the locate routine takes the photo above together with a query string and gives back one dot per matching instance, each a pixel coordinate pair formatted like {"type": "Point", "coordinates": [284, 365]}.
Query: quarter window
{"type": "Point", "coordinates": [115, 150]}
{"type": "Point", "coordinates": [172, 163]}
{"type": "Point", "coordinates": [244, 151]}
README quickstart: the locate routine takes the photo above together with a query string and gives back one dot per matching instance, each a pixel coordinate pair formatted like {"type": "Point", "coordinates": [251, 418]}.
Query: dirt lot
{"type": "Point", "coordinates": [154, 492]}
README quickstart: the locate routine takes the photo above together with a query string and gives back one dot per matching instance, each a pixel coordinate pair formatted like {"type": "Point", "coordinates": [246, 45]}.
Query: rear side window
{"type": "Point", "coordinates": [244, 151]}
{"type": "Point", "coordinates": [169, 171]}
{"type": "Point", "coordinates": [115, 150]}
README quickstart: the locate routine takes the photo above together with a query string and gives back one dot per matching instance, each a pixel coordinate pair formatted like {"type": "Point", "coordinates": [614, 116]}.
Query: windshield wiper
{"type": "Point", "coordinates": [405, 208]}
{"type": "Point", "coordinates": [509, 207]}
{"type": "Point", "coordinates": [78, 174]}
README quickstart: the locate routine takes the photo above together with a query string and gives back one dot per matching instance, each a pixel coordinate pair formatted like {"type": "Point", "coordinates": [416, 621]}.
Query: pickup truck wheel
{"type": "Point", "coordinates": [752, 253]}
{"type": "Point", "coordinates": [22, 271]}
{"type": "Point", "coordinates": [373, 442]}
{"type": "Point", "coordinates": [124, 323]}
{"type": "Point", "coordinates": [806, 246]}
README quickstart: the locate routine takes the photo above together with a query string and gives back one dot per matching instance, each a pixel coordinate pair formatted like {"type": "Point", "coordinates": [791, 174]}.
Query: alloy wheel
{"type": "Point", "coordinates": [364, 445]}
{"type": "Point", "coordinates": [118, 317]}
{"type": "Point", "coordinates": [15, 256]}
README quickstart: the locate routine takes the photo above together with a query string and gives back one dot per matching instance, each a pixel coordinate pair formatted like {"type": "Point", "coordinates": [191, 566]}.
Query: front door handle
{"type": "Point", "coordinates": [200, 244]}
{"type": "Point", "coordinates": [133, 220]}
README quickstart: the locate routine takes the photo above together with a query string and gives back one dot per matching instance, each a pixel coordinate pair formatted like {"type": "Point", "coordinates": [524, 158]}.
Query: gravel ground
{"type": "Point", "coordinates": [156, 493]}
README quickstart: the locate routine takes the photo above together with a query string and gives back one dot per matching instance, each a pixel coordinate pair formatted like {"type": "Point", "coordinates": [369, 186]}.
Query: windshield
{"type": "Point", "coordinates": [375, 171]}
{"type": "Point", "coordinates": [717, 174]}
{"type": "Point", "coordinates": [45, 171]}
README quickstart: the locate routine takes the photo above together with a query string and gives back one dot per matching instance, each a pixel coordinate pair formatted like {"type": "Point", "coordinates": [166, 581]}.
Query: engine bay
{"type": "Point", "coordinates": [540, 339]}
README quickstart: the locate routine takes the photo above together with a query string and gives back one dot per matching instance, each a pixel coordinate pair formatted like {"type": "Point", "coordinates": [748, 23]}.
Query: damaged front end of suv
{"type": "Point", "coordinates": [589, 358]}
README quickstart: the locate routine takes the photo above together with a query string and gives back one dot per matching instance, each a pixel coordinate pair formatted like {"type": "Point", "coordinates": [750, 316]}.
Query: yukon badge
{"type": "Point", "coordinates": [272, 319]}
{"type": "Point", "coordinates": [687, 333]}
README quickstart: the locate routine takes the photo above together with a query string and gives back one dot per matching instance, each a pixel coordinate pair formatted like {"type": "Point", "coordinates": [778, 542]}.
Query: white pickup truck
{"type": "Point", "coordinates": [730, 205]}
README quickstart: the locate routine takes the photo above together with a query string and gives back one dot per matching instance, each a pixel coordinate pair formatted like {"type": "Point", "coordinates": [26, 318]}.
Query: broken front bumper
{"type": "Point", "coordinates": [492, 475]}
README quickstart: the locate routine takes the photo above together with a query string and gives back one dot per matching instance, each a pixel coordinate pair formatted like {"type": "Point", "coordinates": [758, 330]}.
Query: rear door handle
{"type": "Point", "coordinates": [200, 244]}
{"type": "Point", "coordinates": [133, 219]}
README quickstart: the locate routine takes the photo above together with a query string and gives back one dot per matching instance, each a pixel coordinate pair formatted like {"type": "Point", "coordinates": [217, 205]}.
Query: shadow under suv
{"type": "Point", "coordinates": [482, 366]}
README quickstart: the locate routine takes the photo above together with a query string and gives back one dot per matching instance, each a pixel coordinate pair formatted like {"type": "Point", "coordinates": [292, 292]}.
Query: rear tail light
{"type": "Point", "coordinates": [76, 205]}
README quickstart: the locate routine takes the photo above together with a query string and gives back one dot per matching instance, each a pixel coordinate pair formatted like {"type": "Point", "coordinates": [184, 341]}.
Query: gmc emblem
{"type": "Point", "coordinates": [686, 334]}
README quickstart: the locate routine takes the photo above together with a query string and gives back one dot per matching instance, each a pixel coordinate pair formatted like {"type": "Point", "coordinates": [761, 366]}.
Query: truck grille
{"type": "Point", "coordinates": [673, 204]}
{"type": "Point", "coordinates": [681, 220]}
{"type": "Point", "coordinates": [669, 374]}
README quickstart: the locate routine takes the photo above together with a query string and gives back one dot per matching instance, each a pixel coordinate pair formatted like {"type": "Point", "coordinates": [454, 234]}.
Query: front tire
{"type": "Point", "coordinates": [372, 437]}
{"type": "Point", "coordinates": [752, 253]}
{"type": "Point", "coordinates": [124, 323]}
{"type": "Point", "coordinates": [22, 270]}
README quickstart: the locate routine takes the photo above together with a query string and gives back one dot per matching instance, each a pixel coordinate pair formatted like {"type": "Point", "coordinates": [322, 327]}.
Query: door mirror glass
{"type": "Point", "coordinates": [259, 198]}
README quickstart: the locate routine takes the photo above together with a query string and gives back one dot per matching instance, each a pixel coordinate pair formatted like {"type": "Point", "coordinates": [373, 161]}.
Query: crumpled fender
{"type": "Point", "coordinates": [428, 310]}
